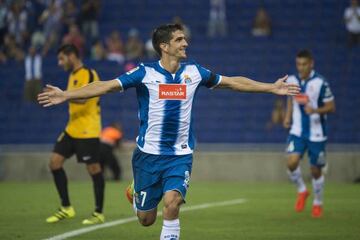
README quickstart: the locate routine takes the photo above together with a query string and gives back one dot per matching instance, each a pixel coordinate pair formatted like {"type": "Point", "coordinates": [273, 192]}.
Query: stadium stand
{"type": "Point", "coordinates": [221, 116]}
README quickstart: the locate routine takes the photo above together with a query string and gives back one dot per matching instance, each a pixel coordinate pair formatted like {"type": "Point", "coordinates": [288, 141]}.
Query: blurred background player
{"type": "Point", "coordinates": [33, 75]}
{"type": "Point", "coordinates": [81, 137]}
{"type": "Point", "coordinates": [111, 137]}
{"type": "Point", "coordinates": [162, 161]}
{"type": "Point", "coordinates": [306, 115]}
{"type": "Point", "coordinates": [352, 22]}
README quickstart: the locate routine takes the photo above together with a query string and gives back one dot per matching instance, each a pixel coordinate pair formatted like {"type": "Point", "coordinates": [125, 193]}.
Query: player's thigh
{"type": "Point", "coordinates": [63, 149]}
{"type": "Point", "coordinates": [176, 178]}
{"type": "Point", "coordinates": [317, 154]}
{"type": "Point", "coordinates": [147, 198]}
{"type": "Point", "coordinates": [295, 150]}
{"type": "Point", "coordinates": [87, 150]}
{"type": "Point", "coordinates": [147, 180]}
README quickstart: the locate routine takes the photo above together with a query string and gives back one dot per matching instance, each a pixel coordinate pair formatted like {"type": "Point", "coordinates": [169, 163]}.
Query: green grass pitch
{"type": "Point", "coordinates": [267, 213]}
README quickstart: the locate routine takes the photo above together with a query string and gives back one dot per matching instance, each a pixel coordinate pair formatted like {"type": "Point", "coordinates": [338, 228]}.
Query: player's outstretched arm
{"type": "Point", "coordinates": [53, 95]}
{"type": "Point", "coordinates": [243, 84]}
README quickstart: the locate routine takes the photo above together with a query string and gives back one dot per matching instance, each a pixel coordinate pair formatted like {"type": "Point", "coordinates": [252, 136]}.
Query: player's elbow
{"type": "Point", "coordinates": [112, 86]}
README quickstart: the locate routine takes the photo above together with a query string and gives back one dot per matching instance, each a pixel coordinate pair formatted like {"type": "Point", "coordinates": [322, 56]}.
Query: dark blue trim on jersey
{"type": "Point", "coordinates": [172, 110]}
{"type": "Point", "coordinates": [169, 131]}
{"type": "Point", "coordinates": [320, 104]}
{"type": "Point", "coordinates": [208, 78]}
{"type": "Point", "coordinates": [192, 139]}
{"type": "Point", "coordinates": [143, 101]}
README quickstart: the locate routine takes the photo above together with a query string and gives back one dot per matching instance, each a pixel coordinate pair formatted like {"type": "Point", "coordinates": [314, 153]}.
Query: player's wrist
{"type": "Point", "coordinates": [271, 88]}
{"type": "Point", "coordinates": [66, 96]}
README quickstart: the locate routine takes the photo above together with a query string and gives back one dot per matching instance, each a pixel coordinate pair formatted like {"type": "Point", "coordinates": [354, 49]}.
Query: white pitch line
{"type": "Point", "coordinates": [133, 219]}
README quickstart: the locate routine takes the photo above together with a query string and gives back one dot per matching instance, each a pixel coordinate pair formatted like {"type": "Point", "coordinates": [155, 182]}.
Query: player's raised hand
{"type": "Point", "coordinates": [51, 96]}
{"type": "Point", "coordinates": [284, 88]}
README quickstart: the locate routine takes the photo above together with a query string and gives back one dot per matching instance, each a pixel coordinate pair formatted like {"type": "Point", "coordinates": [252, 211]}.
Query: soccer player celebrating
{"type": "Point", "coordinates": [80, 137]}
{"type": "Point", "coordinates": [162, 161]}
{"type": "Point", "coordinates": [306, 115]}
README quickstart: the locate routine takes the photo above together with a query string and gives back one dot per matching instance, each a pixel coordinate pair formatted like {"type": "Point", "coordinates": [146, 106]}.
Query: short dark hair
{"type": "Point", "coordinates": [305, 53]}
{"type": "Point", "coordinates": [163, 34]}
{"type": "Point", "coordinates": [67, 49]}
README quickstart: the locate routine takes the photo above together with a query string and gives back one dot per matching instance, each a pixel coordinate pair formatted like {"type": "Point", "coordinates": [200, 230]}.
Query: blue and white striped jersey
{"type": "Point", "coordinates": [315, 91]}
{"type": "Point", "coordinates": [165, 105]}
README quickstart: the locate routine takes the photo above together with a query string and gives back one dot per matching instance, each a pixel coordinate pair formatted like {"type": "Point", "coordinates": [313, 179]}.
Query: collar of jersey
{"type": "Point", "coordinates": [76, 70]}
{"type": "Point", "coordinates": [312, 76]}
{"type": "Point", "coordinates": [168, 75]}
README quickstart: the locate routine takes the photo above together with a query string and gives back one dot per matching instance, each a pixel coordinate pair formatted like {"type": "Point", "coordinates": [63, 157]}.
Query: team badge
{"type": "Point", "coordinates": [187, 79]}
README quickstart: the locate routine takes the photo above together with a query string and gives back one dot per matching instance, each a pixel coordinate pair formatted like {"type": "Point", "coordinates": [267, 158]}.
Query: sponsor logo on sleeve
{"type": "Point", "coordinates": [132, 70]}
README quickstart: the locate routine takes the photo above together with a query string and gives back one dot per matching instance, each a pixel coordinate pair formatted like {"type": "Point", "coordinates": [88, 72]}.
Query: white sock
{"type": "Point", "coordinates": [170, 230]}
{"type": "Point", "coordinates": [134, 205]}
{"type": "Point", "coordinates": [318, 187]}
{"type": "Point", "coordinates": [296, 177]}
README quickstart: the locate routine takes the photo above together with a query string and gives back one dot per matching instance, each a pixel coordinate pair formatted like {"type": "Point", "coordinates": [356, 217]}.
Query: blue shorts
{"type": "Point", "coordinates": [316, 150]}
{"type": "Point", "coordinates": [156, 174]}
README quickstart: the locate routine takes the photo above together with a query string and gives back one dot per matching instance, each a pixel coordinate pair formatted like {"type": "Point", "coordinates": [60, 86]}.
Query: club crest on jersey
{"type": "Point", "coordinates": [172, 91]}
{"type": "Point", "coordinates": [187, 79]}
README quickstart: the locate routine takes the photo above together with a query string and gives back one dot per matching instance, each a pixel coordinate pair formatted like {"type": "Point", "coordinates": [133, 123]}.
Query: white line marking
{"type": "Point", "coordinates": [133, 219]}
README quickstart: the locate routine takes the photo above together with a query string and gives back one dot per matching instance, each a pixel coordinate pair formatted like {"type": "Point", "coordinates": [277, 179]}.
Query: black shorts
{"type": "Point", "coordinates": [87, 150]}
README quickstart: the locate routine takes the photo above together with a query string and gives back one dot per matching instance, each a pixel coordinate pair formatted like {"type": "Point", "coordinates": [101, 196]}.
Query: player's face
{"type": "Point", "coordinates": [177, 45]}
{"type": "Point", "coordinates": [304, 67]}
{"type": "Point", "coordinates": [64, 61]}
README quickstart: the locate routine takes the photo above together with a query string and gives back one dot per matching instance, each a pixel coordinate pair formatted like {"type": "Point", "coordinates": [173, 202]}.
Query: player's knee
{"type": "Point", "coordinates": [146, 220]}
{"type": "Point", "coordinates": [55, 164]}
{"type": "Point", "coordinates": [93, 168]}
{"type": "Point", "coordinates": [316, 172]}
{"type": "Point", "coordinates": [292, 163]}
{"type": "Point", "coordinates": [172, 205]}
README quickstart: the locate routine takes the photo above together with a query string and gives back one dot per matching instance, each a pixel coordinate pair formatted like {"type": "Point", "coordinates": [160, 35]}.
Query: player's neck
{"type": "Point", "coordinates": [171, 65]}
{"type": "Point", "coordinates": [77, 65]}
{"type": "Point", "coordinates": [306, 77]}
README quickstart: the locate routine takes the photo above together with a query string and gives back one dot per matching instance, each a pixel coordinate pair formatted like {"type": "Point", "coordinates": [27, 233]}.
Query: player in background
{"type": "Point", "coordinates": [80, 137]}
{"type": "Point", "coordinates": [162, 161]}
{"type": "Point", "coordinates": [110, 139]}
{"type": "Point", "coordinates": [306, 118]}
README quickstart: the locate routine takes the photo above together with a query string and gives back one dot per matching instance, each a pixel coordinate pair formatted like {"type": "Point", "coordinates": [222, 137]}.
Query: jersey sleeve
{"type": "Point", "coordinates": [208, 79]}
{"type": "Point", "coordinates": [132, 78]}
{"type": "Point", "coordinates": [326, 94]}
{"type": "Point", "coordinates": [95, 75]}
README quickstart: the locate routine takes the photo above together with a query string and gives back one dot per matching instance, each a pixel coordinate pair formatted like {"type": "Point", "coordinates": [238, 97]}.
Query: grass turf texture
{"type": "Point", "coordinates": [267, 214]}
